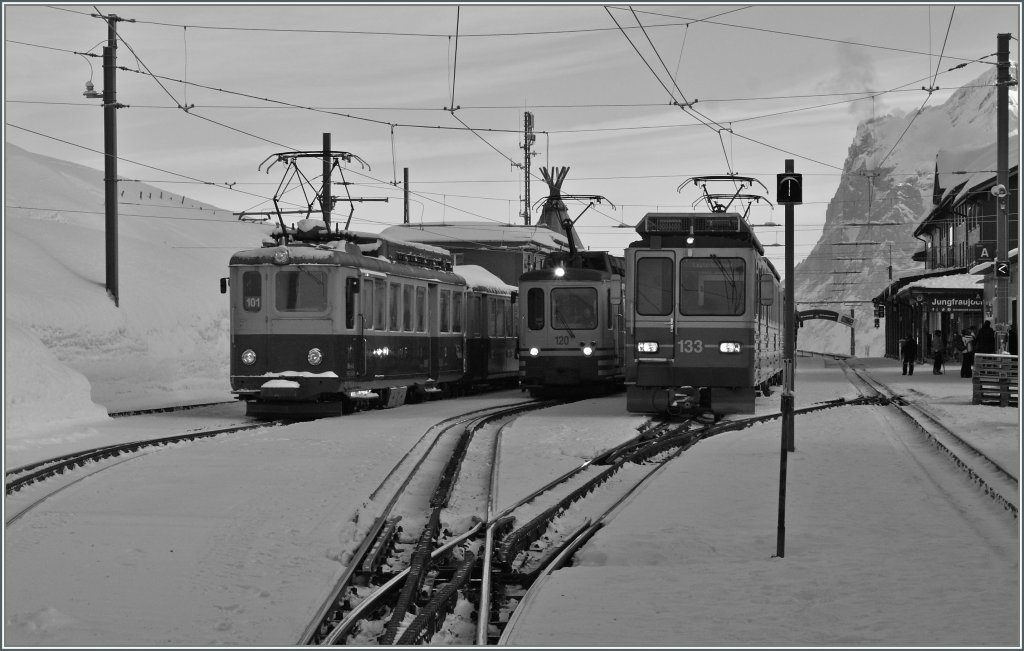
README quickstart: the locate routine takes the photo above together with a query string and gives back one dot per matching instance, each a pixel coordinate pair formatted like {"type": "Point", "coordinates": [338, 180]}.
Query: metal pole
{"type": "Point", "coordinates": [1002, 303]}
{"type": "Point", "coordinates": [787, 442]}
{"type": "Point", "coordinates": [853, 336]}
{"type": "Point", "coordinates": [325, 193]}
{"type": "Point", "coordinates": [110, 154]}
{"type": "Point", "coordinates": [405, 195]}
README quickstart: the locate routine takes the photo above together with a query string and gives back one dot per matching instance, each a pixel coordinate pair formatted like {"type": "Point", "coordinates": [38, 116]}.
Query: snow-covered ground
{"type": "Point", "coordinates": [236, 540]}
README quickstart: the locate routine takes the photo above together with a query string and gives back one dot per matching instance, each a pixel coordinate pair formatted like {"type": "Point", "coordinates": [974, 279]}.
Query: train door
{"type": "Point", "coordinates": [653, 308]}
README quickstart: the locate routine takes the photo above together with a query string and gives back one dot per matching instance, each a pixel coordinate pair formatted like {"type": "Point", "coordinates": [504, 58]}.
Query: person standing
{"type": "Point", "coordinates": [908, 351]}
{"type": "Point", "coordinates": [968, 356]}
{"type": "Point", "coordinates": [985, 342]}
{"type": "Point", "coordinates": [938, 348]}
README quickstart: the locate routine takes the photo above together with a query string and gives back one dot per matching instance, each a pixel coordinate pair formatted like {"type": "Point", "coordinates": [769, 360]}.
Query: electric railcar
{"type": "Point", "coordinates": [571, 321]}
{"type": "Point", "coordinates": [703, 316]}
{"type": "Point", "coordinates": [332, 322]}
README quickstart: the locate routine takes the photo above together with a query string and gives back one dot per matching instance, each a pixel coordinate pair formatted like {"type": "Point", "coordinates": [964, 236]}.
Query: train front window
{"type": "Point", "coordinates": [535, 308]}
{"type": "Point", "coordinates": [252, 291]}
{"type": "Point", "coordinates": [574, 308]}
{"type": "Point", "coordinates": [654, 286]}
{"type": "Point", "coordinates": [301, 291]}
{"type": "Point", "coordinates": [712, 286]}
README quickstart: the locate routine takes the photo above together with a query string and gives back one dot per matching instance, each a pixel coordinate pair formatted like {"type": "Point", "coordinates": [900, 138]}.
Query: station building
{"type": "Point", "coordinates": [957, 287]}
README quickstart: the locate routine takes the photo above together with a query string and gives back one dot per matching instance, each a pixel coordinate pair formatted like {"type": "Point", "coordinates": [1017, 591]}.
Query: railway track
{"type": "Point", "coordinates": [18, 478]}
{"type": "Point", "coordinates": [994, 480]}
{"type": "Point", "coordinates": [465, 559]}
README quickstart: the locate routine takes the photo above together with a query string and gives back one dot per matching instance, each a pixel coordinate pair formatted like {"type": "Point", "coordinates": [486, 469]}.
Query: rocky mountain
{"type": "Point", "coordinates": [885, 193]}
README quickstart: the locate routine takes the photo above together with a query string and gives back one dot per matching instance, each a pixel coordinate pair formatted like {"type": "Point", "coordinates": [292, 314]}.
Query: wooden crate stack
{"type": "Point", "coordinates": [995, 380]}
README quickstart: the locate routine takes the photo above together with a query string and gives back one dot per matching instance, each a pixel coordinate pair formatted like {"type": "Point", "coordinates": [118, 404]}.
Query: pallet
{"type": "Point", "coordinates": [996, 367]}
{"type": "Point", "coordinates": [1002, 393]}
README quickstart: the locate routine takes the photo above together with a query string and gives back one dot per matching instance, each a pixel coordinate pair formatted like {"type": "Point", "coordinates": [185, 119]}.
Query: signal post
{"type": "Point", "coordinates": [789, 193]}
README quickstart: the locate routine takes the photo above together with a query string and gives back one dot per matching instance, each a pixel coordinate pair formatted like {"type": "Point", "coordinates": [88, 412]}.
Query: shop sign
{"type": "Point", "coordinates": [947, 302]}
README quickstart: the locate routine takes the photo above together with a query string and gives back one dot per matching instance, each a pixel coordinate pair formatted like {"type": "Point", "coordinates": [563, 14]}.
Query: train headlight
{"type": "Point", "coordinates": [559, 272]}
{"type": "Point", "coordinates": [249, 357]}
{"type": "Point", "coordinates": [314, 357]}
{"type": "Point", "coordinates": [588, 350]}
{"type": "Point", "coordinates": [534, 352]}
{"type": "Point", "coordinates": [281, 256]}
{"type": "Point", "coordinates": [730, 347]}
{"type": "Point", "coordinates": [647, 346]}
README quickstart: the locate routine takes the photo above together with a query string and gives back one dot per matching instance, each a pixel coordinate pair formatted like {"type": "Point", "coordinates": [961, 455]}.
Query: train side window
{"type": "Point", "coordinates": [535, 308]}
{"type": "Point", "coordinates": [380, 305]}
{"type": "Point", "coordinates": [351, 289]}
{"type": "Point", "coordinates": [457, 318]}
{"type": "Point", "coordinates": [407, 306]}
{"type": "Point", "coordinates": [473, 325]}
{"type": "Point", "coordinates": [394, 301]}
{"type": "Point", "coordinates": [421, 309]}
{"type": "Point", "coordinates": [252, 291]}
{"type": "Point", "coordinates": [654, 286]}
{"type": "Point", "coordinates": [446, 302]}
{"type": "Point", "coordinates": [367, 302]}
{"type": "Point", "coordinates": [300, 291]}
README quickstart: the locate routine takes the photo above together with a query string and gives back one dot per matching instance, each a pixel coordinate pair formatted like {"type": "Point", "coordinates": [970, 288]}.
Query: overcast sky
{"type": "Point", "coordinates": [607, 85]}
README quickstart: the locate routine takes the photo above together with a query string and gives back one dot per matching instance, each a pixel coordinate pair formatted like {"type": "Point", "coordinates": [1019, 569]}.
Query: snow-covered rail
{"type": "Point", "coordinates": [994, 480]}
{"type": "Point", "coordinates": [26, 475]}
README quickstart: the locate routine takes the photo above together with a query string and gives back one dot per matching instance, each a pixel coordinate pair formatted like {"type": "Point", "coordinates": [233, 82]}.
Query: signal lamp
{"type": "Point", "coordinates": [559, 272]}
{"type": "Point", "coordinates": [281, 256]}
{"type": "Point", "coordinates": [647, 346]}
{"type": "Point", "coordinates": [315, 357]}
{"type": "Point", "coordinates": [730, 347]}
{"type": "Point", "coordinates": [249, 357]}
{"type": "Point", "coordinates": [587, 350]}
{"type": "Point", "coordinates": [534, 352]}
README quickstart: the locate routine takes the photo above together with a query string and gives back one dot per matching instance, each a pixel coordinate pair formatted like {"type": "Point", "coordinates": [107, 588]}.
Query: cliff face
{"type": "Point", "coordinates": [888, 180]}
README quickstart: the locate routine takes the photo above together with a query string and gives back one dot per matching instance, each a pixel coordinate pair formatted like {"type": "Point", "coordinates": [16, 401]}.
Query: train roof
{"type": "Point", "coordinates": [480, 279]}
{"type": "Point", "coordinates": [721, 226]}
{"type": "Point", "coordinates": [479, 235]}
{"type": "Point", "coordinates": [570, 275]}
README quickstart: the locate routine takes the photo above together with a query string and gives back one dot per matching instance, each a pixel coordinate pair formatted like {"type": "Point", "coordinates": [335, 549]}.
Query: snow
{"type": "Point", "coordinates": [236, 539]}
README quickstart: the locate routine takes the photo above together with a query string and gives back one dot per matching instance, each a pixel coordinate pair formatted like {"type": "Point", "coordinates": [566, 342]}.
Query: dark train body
{"type": "Point", "coordinates": [703, 315]}
{"type": "Point", "coordinates": [571, 325]}
{"type": "Point", "coordinates": [328, 323]}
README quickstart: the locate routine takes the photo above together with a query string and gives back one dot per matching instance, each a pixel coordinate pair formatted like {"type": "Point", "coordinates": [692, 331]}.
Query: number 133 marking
{"type": "Point", "coordinates": [691, 346]}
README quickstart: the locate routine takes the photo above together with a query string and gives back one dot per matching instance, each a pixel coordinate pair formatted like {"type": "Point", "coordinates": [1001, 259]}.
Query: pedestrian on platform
{"type": "Point", "coordinates": [909, 353]}
{"type": "Point", "coordinates": [968, 356]}
{"type": "Point", "coordinates": [938, 348]}
{"type": "Point", "coordinates": [985, 342]}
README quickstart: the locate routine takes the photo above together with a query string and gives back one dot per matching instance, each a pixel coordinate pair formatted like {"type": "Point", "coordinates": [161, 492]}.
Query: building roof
{"type": "Point", "coordinates": [479, 235]}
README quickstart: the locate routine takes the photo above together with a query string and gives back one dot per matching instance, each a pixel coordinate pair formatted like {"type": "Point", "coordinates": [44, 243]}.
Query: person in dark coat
{"type": "Point", "coordinates": [968, 358]}
{"type": "Point", "coordinates": [908, 351]}
{"type": "Point", "coordinates": [938, 349]}
{"type": "Point", "coordinates": [985, 342]}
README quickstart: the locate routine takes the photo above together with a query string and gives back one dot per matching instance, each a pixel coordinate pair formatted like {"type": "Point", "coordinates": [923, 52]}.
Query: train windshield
{"type": "Point", "coordinates": [654, 286]}
{"type": "Point", "coordinates": [301, 291]}
{"type": "Point", "coordinates": [712, 286]}
{"type": "Point", "coordinates": [574, 308]}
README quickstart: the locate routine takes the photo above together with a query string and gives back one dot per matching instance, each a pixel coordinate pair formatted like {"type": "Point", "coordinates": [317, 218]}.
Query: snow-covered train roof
{"type": "Point", "coordinates": [479, 278]}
